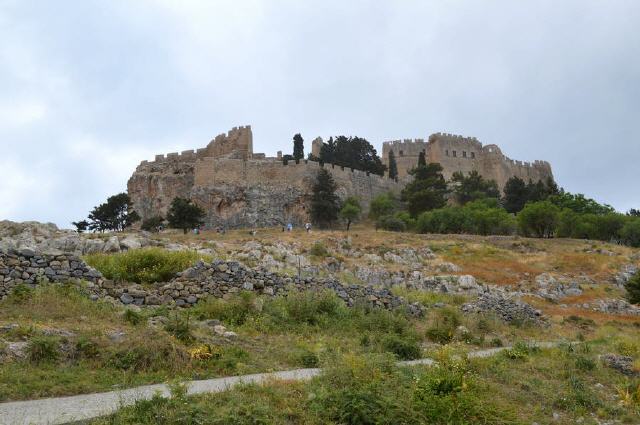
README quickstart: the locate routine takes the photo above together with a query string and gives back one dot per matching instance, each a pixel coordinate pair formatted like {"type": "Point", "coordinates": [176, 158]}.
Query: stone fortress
{"type": "Point", "coordinates": [458, 153]}
{"type": "Point", "coordinates": [240, 188]}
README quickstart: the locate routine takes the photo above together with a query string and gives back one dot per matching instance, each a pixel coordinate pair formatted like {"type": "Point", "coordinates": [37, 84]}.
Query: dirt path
{"type": "Point", "coordinates": [63, 410]}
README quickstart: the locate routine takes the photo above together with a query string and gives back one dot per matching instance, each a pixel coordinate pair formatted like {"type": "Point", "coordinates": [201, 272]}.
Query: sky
{"type": "Point", "coordinates": [90, 88]}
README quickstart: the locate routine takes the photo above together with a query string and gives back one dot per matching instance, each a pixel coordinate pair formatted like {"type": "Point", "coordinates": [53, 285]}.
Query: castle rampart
{"type": "Point", "coordinates": [238, 187]}
{"type": "Point", "coordinates": [464, 154]}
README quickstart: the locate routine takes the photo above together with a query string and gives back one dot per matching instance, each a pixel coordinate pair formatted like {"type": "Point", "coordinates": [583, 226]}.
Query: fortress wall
{"type": "Point", "coordinates": [406, 153]}
{"type": "Point", "coordinates": [212, 172]}
{"type": "Point", "coordinates": [237, 143]}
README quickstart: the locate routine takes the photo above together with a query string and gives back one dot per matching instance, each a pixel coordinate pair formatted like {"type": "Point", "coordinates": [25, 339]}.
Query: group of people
{"type": "Point", "coordinates": [289, 227]}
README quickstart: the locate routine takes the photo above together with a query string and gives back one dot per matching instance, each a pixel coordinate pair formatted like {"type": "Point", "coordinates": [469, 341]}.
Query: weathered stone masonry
{"type": "Point", "coordinates": [458, 153]}
{"type": "Point", "coordinates": [240, 188]}
{"type": "Point", "coordinates": [218, 279]}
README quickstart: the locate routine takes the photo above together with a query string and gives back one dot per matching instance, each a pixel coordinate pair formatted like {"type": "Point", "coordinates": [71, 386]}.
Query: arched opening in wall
{"type": "Point", "coordinates": [401, 153]}
{"type": "Point", "coordinates": [455, 154]}
{"type": "Point", "coordinates": [473, 155]}
{"type": "Point", "coordinates": [464, 154]}
{"type": "Point", "coordinates": [446, 152]}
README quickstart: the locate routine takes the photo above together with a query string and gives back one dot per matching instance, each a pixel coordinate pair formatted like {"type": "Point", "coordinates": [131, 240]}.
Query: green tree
{"type": "Point", "coordinates": [151, 224]}
{"type": "Point", "coordinates": [381, 205]}
{"type": "Point", "coordinates": [352, 152]}
{"type": "Point", "coordinates": [516, 195]}
{"type": "Point", "coordinates": [324, 201]}
{"type": "Point", "coordinates": [393, 166]}
{"type": "Point", "coordinates": [116, 214]}
{"type": "Point", "coordinates": [633, 289]}
{"type": "Point", "coordinates": [630, 233]}
{"type": "Point", "coordinates": [185, 214]}
{"type": "Point", "coordinates": [350, 211]}
{"type": "Point", "coordinates": [298, 147]}
{"type": "Point", "coordinates": [473, 187]}
{"type": "Point", "coordinates": [81, 226]}
{"type": "Point", "coordinates": [579, 203]}
{"type": "Point", "coordinates": [422, 160]}
{"type": "Point", "coordinates": [427, 190]}
{"type": "Point", "coordinates": [633, 212]}
{"type": "Point", "coordinates": [539, 219]}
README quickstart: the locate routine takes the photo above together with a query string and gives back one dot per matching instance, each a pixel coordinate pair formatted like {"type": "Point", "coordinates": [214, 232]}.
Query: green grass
{"type": "Point", "coordinates": [146, 265]}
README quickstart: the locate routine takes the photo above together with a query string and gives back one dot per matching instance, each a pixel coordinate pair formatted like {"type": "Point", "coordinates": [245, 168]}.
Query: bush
{"type": "Point", "coordinates": [633, 289]}
{"type": "Point", "coordinates": [481, 217]}
{"type": "Point", "coordinates": [630, 233]}
{"type": "Point", "coordinates": [382, 205]}
{"type": "Point", "coordinates": [152, 351]}
{"type": "Point", "coordinates": [234, 311]}
{"type": "Point", "coordinates": [539, 219]}
{"type": "Point", "coordinates": [87, 348]}
{"type": "Point", "coordinates": [319, 250]}
{"type": "Point", "coordinates": [308, 359]}
{"type": "Point", "coordinates": [145, 265]}
{"type": "Point", "coordinates": [405, 348]}
{"type": "Point", "coordinates": [43, 349]}
{"type": "Point", "coordinates": [391, 223]}
{"type": "Point", "coordinates": [444, 326]}
{"type": "Point", "coordinates": [133, 317]}
{"type": "Point", "coordinates": [180, 327]}
{"type": "Point", "coordinates": [151, 224]}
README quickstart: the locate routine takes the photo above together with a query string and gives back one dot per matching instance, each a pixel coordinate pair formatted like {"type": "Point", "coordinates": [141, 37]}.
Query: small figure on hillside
{"type": "Point", "coordinates": [307, 227]}
{"type": "Point", "coordinates": [289, 227]}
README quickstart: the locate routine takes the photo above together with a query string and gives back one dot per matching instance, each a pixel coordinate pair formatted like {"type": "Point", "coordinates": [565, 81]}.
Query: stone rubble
{"type": "Point", "coordinates": [504, 307]}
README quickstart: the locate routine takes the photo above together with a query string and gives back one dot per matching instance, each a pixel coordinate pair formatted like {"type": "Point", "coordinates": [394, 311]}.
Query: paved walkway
{"type": "Point", "coordinates": [64, 410]}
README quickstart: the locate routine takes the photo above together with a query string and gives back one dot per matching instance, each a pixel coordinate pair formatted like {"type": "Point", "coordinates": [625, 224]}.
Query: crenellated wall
{"type": "Point", "coordinates": [239, 188]}
{"type": "Point", "coordinates": [465, 154]}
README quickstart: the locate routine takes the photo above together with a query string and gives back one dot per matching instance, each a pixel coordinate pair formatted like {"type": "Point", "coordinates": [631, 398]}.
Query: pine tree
{"type": "Point", "coordinates": [516, 195]}
{"type": "Point", "coordinates": [393, 166]}
{"type": "Point", "coordinates": [428, 189]}
{"type": "Point", "coordinates": [184, 214]}
{"type": "Point", "coordinates": [116, 214]}
{"type": "Point", "coordinates": [298, 147]}
{"type": "Point", "coordinates": [324, 201]}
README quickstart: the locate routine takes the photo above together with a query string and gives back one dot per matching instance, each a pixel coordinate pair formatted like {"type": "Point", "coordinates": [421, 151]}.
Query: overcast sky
{"type": "Point", "coordinates": [88, 89]}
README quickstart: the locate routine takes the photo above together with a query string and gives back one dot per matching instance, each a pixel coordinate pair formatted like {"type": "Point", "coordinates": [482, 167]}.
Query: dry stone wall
{"type": "Point", "coordinates": [28, 267]}
{"type": "Point", "coordinates": [219, 279]}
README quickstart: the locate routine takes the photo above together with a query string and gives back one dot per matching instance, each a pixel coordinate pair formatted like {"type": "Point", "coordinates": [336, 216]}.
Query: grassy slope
{"type": "Point", "coordinates": [275, 338]}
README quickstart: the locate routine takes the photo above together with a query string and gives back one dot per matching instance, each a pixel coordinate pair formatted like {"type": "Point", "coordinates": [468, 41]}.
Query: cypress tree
{"type": "Point", "coordinates": [298, 147]}
{"type": "Point", "coordinates": [422, 160]}
{"type": "Point", "coordinates": [393, 166]}
{"type": "Point", "coordinates": [324, 201]}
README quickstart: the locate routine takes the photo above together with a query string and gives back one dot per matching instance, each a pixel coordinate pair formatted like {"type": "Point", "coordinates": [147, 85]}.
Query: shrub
{"type": "Point", "coordinates": [145, 265]}
{"type": "Point", "coordinates": [539, 219]}
{"type": "Point", "coordinates": [308, 358]}
{"type": "Point", "coordinates": [444, 326]}
{"type": "Point", "coordinates": [630, 233]}
{"type": "Point", "coordinates": [482, 217]}
{"type": "Point", "coordinates": [43, 349]}
{"type": "Point", "coordinates": [151, 224]}
{"type": "Point", "coordinates": [151, 351]}
{"type": "Point", "coordinates": [87, 348]}
{"type": "Point", "coordinates": [233, 311]}
{"type": "Point", "coordinates": [20, 294]}
{"type": "Point", "coordinates": [633, 289]}
{"type": "Point", "coordinates": [519, 351]}
{"type": "Point", "coordinates": [133, 317]}
{"type": "Point", "coordinates": [585, 363]}
{"type": "Point", "coordinates": [180, 327]}
{"type": "Point", "coordinates": [310, 307]}
{"type": "Point", "coordinates": [391, 223]}
{"type": "Point", "coordinates": [382, 205]}
{"type": "Point", "coordinates": [405, 348]}
{"type": "Point", "coordinates": [319, 250]}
